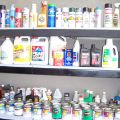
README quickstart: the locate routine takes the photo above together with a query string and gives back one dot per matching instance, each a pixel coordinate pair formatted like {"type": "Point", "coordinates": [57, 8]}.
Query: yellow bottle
{"type": "Point", "coordinates": [42, 17]}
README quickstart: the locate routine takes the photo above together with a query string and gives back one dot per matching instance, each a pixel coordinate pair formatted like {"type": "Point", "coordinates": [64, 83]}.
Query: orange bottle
{"type": "Point", "coordinates": [42, 17]}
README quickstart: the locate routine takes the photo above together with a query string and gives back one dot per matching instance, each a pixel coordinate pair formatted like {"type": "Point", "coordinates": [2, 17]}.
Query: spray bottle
{"type": "Point", "coordinates": [12, 16]}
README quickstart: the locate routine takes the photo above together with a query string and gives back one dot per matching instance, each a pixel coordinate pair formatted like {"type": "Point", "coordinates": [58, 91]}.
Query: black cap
{"type": "Point", "coordinates": [85, 9]}
{"type": "Point", "coordinates": [78, 10]}
{"type": "Point", "coordinates": [71, 9]}
{"type": "Point", "coordinates": [2, 7]}
{"type": "Point", "coordinates": [108, 5]}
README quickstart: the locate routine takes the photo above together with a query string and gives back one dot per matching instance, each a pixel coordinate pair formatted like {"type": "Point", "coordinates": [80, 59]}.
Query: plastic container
{"type": "Point", "coordinates": [26, 19]}
{"type": "Point", "coordinates": [58, 17]}
{"type": "Point", "coordinates": [22, 50]}
{"type": "Point", "coordinates": [110, 55]}
{"type": "Point", "coordinates": [57, 95]}
{"type": "Point", "coordinates": [7, 52]}
{"type": "Point", "coordinates": [12, 16]}
{"type": "Point", "coordinates": [39, 51]}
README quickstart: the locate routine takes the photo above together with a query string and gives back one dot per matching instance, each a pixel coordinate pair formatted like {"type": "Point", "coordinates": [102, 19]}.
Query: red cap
{"type": "Point", "coordinates": [18, 10]}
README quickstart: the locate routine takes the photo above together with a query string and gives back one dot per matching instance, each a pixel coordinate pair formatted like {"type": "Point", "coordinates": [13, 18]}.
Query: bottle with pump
{"type": "Point", "coordinates": [33, 16]}
{"type": "Point", "coordinates": [76, 53]}
{"type": "Point", "coordinates": [110, 55]}
{"type": "Point", "coordinates": [12, 16]}
{"type": "Point", "coordinates": [42, 17]}
{"type": "Point", "coordinates": [116, 15]}
{"type": "Point", "coordinates": [7, 52]}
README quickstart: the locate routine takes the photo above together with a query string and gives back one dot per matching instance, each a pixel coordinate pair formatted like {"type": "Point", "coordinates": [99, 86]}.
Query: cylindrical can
{"type": "Point", "coordinates": [76, 112]}
{"type": "Point", "coordinates": [51, 15]}
{"type": "Point", "coordinates": [87, 113]}
{"type": "Point", "coordinates": [18, 18]}
{"type": "Point", "coordinates": [7, 18]}
{"type": "Point", "coordinates": [56, 111]}
{"type": "Point", "coordinates": [79, 18]}
{"type": "Point", "coordinates": [66, 112]}
{"type": "Point", "coordinates": [26, 20]}
{"type": "Point", "coordinates": [108, 114]}
{"type": "Point", "coordinates": [2, 16]}
{"type": "Point", "coordinates": [2, 107]}
{"type": "Point", "coordinates": [68, 55]}
{"type": "Point", "coordinates": [10, 107]}
{"type": "Point", "coordinates": [58, 17]}
{"type": "Point", "coordinates": [65, 16]}
{"type": "Point", "coordinates": [71, 19]}
{"type": "Point", "coordinates": [98, 14]}
{"type": "Point", "coordinates": [108, 15]}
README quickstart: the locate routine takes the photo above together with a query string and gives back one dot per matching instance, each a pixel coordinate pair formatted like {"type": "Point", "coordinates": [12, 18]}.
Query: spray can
{"type": "Point", "coordinates": [2, 16]}
{"type": "Point", "coordinates": [18, 18]}
{"type": "Point", "coordinates": [12, 16]}
{"type": "Point", "coordinates": [26, 20]}
{"type": "Point", "coordinates": [108, 15]}
{"type": "Point", "coordinates": [58, 18]}
{"type": "Point", "coordinates": [51, 15]}
{"type": "Point", "coordinates": [7, 18]}
{"type": "Point", "coordinates": [98, 14]}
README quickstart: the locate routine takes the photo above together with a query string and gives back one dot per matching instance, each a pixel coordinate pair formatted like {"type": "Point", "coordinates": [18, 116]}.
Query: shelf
{"type": "Point", "coordinates": [62, 71]}
{"type": "Point", "coordinates": [83, 32]}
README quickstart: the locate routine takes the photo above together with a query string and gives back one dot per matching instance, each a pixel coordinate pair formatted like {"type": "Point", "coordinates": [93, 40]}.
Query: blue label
{"type": "Point", "coordinates": [75, 57]}
{"type": "Point", "coordinates": [7, 19]}
{"type": "Point", "coordinates": [0, 18]}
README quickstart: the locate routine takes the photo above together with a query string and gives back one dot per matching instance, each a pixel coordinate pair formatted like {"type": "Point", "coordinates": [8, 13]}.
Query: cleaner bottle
{"type": "Point", "coordinates": [22, 50]}
{"type": "Point", "coordinates": [12, 16]}
{"type": "Point", "coordinates": [57, 95]}
{"type": "Point", "coordinates": [33, 16]}
{"type": "Point", "coordinates": [104, 98]}
{"type": "Point", "coordinates": [76, 53]}
{"type": "Point", "coordinates": [7, 51]}
{"type": "Point", "coordinates": [42, 17]}
{"type": "Point", "coordinates": [110, 55]}
{"type": "Point", "coordinates": [39, 50]}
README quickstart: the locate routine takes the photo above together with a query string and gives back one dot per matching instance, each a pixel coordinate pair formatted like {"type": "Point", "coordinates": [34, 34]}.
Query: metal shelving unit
{"type": "Point", "coordinates": [64, 71]}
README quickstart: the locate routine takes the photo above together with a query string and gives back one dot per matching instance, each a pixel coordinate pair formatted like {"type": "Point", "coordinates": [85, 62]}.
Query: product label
{"type": "Point", "coordinates": [42, 19]}
{"type": "Point", "coordinates": [71, 21]}
{"type": "Point", "coordinates": [7, 20]}
{"type": "Point", "coordinates": [85, 59]}
{"type": "Point", "coordinates": [75, 57]}
{"type": "Point", "coordinates": [38, 53]}
{"type": "Point", "coordinates": [25, 20]}
{"type": "Point", "coordinates": [115, 20]}
{"type": "Point", "coordinates": [21, 53]}
{"type": "Point", "coordinates": [0, 18]}
{"type": "Point", "coordinates": [79, 21]}
{"type": "Point", "coordinates": [86, 20]}
{"type": "Point", "coordinates": [96, 59]}
{"type": "Point", "coordinates": [65, 20]}
{"type": "Point", "coordinates": [106, 56]}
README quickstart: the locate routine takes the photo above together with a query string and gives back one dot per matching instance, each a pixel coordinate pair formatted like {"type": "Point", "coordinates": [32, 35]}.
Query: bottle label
{"type": "Point", "coordinates": [75, 57]}
{"type": "Point", "coordinates": [85, 59]}
{"type": "Point", "coordinates": [21, 53]}
{"type": "Point", "coordinates": [25, 20]}
{"type": "Point", "coordinates": [106, 56]}
{"type": "Point", "coordinates": [42, 19]}
{"type": "Point", "coordinates": [38, 53]}
{"type": "Point", "coordinates": [79, 21]}
{"type": "Point", "coordinates": [7, 20]}
{"type": "Point", "coordinates": [96, 59]}
{"type": "Point", "coordinates": [71, 20]}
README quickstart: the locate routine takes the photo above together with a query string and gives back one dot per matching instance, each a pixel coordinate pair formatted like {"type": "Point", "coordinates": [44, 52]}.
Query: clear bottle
{"type": "Point", "coordinates": [42, 17]}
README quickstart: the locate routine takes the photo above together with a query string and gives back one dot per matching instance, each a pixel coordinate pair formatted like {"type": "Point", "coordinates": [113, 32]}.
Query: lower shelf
{"type": "Point", "coordinates": [62, 70]}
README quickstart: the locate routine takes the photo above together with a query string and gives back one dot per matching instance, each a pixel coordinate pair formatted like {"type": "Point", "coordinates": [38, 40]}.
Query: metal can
{"type": "Point", "coordinates": [51, 15]}
{"type": "Point", "coordinates": [27, 110]}
{"type": "Point", "coordinates": [7, 18]}
{"type": "Point", "coordinates": [68, 55]}
{"type": "Point", "coordinates": [108, 114]}
{"type": "Point", "coordinates": [56, 111]}
{"type": "Point", "coordinates": [10, 107]}
{"type": "Point", "coordinates": [2, 107]}
{"type": "Point", "coordinates": [18, 19]}
{"type": "Point", "coordinates": [66, 112]}
{"type": "Point", "coordinates": [76, 112]}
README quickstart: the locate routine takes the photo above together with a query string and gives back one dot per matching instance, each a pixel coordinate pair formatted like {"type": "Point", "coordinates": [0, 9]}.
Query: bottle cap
{"type": "Point", "coordinates": [71, 9]}
{"type": "Point", "coordinates": [18, 10]}
{"type": "Point", "coordinates": [85, 9]}
{"type": "Point", "coordinates": [65, 9]}
{"type": "Point", "coordinates": [2, 7]}
{"type": "Point", "coordinates": [78, 10]}
{"type": "Point", "coordinates": [53, 5]}
{"type": "Point", "coordinates": [108, 5]}
{"type": "Point", "coordinates": [92, 9]}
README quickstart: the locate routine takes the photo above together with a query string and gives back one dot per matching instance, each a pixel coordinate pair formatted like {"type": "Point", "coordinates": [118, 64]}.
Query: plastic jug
{"type": "Point", "coordinates": [39, 50]}
{"type": "Point", "coordinates": [7, 52]}
{"type": "Point", "coordinates": [110, 55]}
{"type": "Point", "coordinates": [56, 44]}
{"type": "Point", "coordinates": [22, 50]}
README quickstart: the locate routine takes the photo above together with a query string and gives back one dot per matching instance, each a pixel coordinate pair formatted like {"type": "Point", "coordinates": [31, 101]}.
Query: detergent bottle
{"type": "Point", "coordinates": [22, 50]}
{"type": "Point", "coordinates": [7, 51]}
{"type": "Point", "coordinates": [110, 55]}
{"type": "Point", "coordinates": [57, 44]}
{"type": "Point", "coordinates": [39, 50]}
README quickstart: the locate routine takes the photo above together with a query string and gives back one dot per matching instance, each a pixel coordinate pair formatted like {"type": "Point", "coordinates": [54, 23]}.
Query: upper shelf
{"type": "Point", "coordinates": [83, 32]}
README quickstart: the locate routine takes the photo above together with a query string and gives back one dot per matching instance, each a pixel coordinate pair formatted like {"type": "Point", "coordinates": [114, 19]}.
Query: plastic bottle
{"type": "Point", "coordinates": [12, 93]}
{"type": "Point", "coordinates": [22, 50]}
{"type": "Point", "coordinates": [76, 53]}
{"type": "Point", "coordinates": [92, 17]}
{"type": "Point", "coordinates": [98, 14]}
{"type": "Point", "coordinates": [57, 95]}
{"type": "Point", "coordinates": [12, 16]}
{"type": "Point", "coordinates": [26, 19]}
{"type": "Point", "coordinates": [7, 18]}
{"type": "Point", "coordinates": [110, 55]}
{"type": "Point", "coordinates": [59, 18]}
{"type": "Point", "coordinates": [42, 17]}
{"type": "Point", "coordinates": [33, 16]}
{"type": "Point", "coordinates": [2, 16]}
{"type": "Point", "coordinates": [116, 15]}
{"type": "Point", "coordinates": [104, 98]}
{"type": "Point", "coordinates": [39, 50]}
{"type": "Point", "coordinates": [76, 96]}
{"type": "Point", "coordinates": [7, 51]}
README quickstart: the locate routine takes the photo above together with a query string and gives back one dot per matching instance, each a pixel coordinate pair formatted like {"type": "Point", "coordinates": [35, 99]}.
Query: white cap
{"type": "Point", "coordinates": [65, 9]}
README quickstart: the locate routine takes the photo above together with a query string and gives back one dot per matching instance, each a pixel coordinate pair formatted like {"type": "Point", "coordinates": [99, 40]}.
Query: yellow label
{"type": "Point", "coordinates": [21, 53]}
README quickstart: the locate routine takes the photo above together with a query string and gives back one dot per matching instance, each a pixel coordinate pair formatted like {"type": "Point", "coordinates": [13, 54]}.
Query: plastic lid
{"type": "Point", "coordinates": [98, 8]}
{"type": "Point", "coordinates": [108, 5]}
{"type": "Point", "coordinates": [71, 9]}
{"type": "Point", "coordinates": [85, 9]}
{"type": "Point", "coordinates": [92, 9]}
{"type": "Point", "coordinates": [65, 9]}
{"type": "Point", "coordinates": [18, 10]}
{"type": "Point", "coordinates": [2, 7]}
{"type": "Point", "coordinates": [52, 5]}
